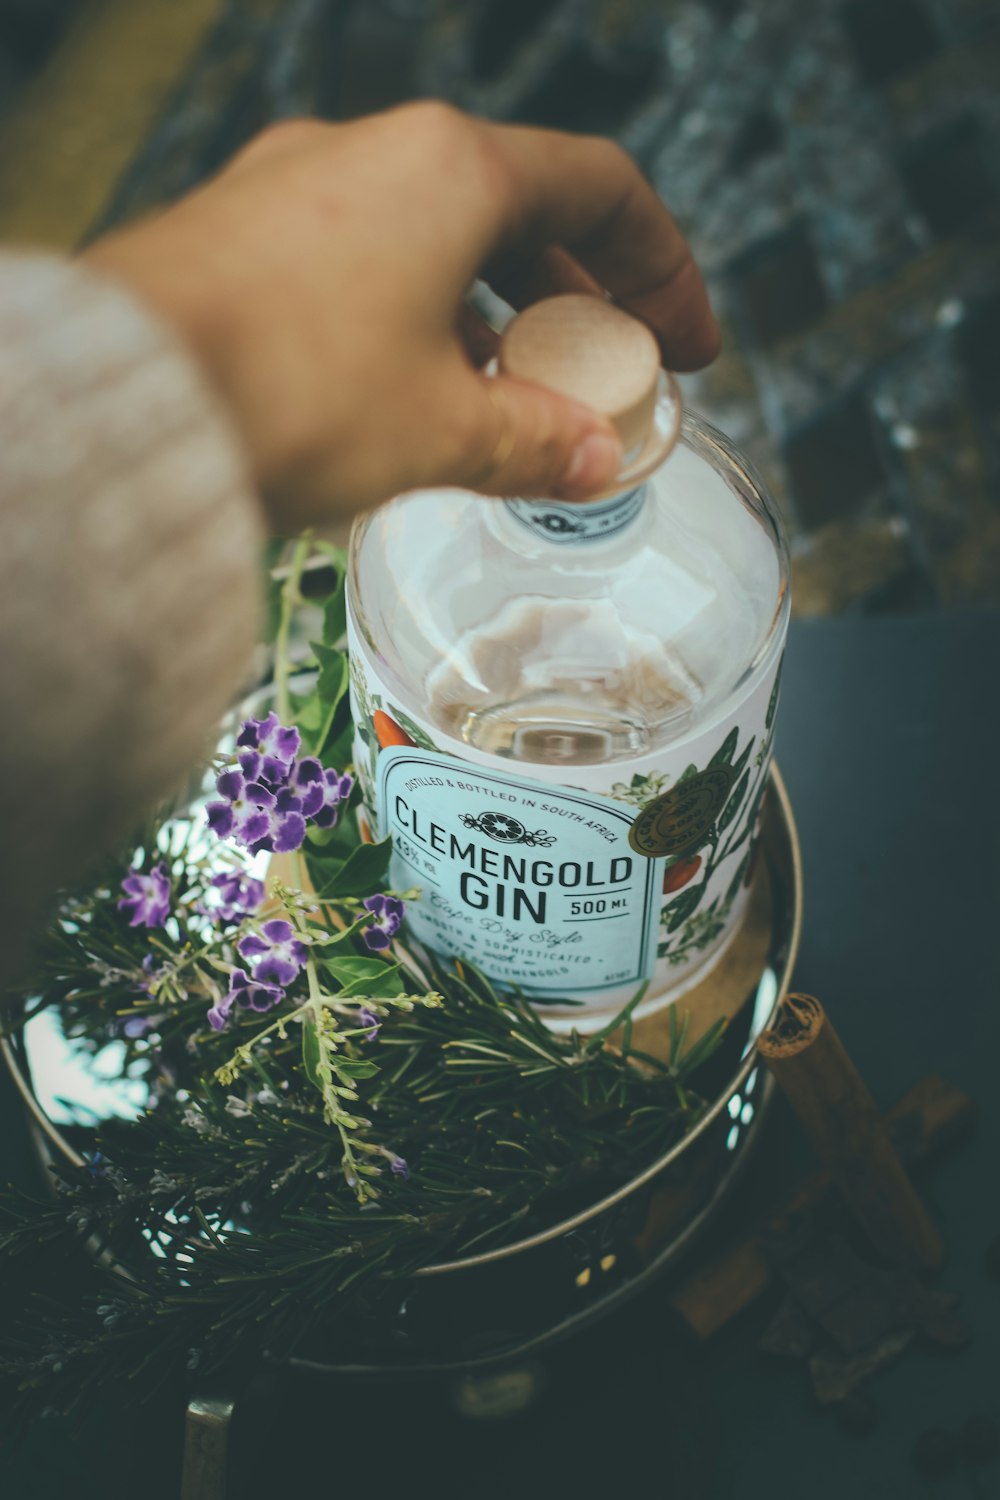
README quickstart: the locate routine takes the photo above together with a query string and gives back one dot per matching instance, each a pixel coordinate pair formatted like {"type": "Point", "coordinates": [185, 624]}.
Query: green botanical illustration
{"type": "Point", "coordinates": [772, 706]}
{"type": "Point", "coordinates": [640, 790]}
{"type": "Point", "coordinates": [686, 927]}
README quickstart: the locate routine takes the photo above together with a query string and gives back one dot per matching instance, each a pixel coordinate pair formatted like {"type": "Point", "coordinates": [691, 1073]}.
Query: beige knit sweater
{"type": "Point", "coordinates": [129, 539]}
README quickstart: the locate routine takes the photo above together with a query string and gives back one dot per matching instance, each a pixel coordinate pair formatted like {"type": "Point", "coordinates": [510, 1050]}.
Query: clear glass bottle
{"type": "Point", "coordinates": [565, 711]}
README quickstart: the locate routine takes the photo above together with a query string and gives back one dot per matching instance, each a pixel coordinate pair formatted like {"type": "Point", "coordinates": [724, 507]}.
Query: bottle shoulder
{"type": "Point", "coordinates": [500, 635]}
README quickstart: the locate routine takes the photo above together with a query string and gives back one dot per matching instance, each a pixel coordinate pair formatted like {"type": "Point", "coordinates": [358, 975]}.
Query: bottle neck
{"type": "Point", "coordinates": [570, 523]}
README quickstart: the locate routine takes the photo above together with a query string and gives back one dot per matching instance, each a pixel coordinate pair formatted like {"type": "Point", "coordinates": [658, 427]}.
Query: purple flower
{"type": "Point", "coordinates": [147, 897]}
{"type": "Point", "coordinates": [141, 1025]}
{"type": "Point", "coordinates": [245, 992]}
{"type": "Point", "coordinates": [279, 952]}
{"type": "Point", "coordinates": [398, 1167]}
{"type": "Point", "coordinates": [286, 827]}
{"type": "Point", "coordinates": [322, 790]}
{"type": "Point", "coordinates": [238, 896]}
{"type": "Point", "coordinates": [240, 811]}
{"type": "Point", "coordinates": [387, 913]}
{"type": "Point", "coordinates": [267, 748]}
{"type": "Point", "coordinates": [369, 1019]}
{"type": "Point", "coordinates": [255, 816]}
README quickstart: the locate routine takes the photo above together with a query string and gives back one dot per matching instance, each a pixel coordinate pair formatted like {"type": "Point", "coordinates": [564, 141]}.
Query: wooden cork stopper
{"type": "Point", "coordinates": [585, 348]}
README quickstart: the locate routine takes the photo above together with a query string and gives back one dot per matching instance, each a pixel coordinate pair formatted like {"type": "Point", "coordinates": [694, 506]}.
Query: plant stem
{"type": "Point", "coordinates": [291, 598]}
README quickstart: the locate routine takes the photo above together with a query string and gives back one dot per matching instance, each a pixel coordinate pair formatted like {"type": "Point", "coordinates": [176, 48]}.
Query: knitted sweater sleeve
{"type": "Point", "coordinates": [129, 542]}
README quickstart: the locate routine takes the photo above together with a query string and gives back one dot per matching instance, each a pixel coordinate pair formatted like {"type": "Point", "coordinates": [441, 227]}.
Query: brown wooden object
{"type": "Point", "coordinates": [589, 350]}
{"type": "Point", "coordinates": [833, 1104]}
{"type": "Point", "coordinates": [586, 348]}
{"type": "Point", "coordinates": [931, 1116]}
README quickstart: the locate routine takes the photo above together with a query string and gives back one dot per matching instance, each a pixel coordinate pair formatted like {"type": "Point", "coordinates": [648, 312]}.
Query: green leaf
{"type": "Point", "coordinates": [310, 1051]}
{"type": "Point", "coordinates": [734, 804]}
{"type": "Point", "coordinates": [678, 1033]}
{"type": "Point", "coordinates": [333, 673]}
{"type": "Point", "coordinates": [335, 618]}
{"type": "Point", "coordinates": [752, 816]}
{"type": "Point", "coordinates": [342, 839]}
{"type": "Point", "coordinates": [686, 774]}
{"type": "Point", "coordinates": [739, 877]}
{"type": "Point", "coordinates": [335, 608]}
{"type": "Point", "coordinates": [364, 976]}
{"type": "Point", "coordinates": [724, 755]}
{"type": "Point", "coordinates": [683, 906]}
{"type": "Point", "coordinates": [330, 688]}
{"type": "Point", "coordinates": [308, 713]}
{"type": "Point", "coordinates": [700, 1051]}
{"type": "Point", "coordinates": [361, 874]}
{"type": "Point", "coordinates": [354, 1067]}
{"type": "Point", "coordinates": [322, 838]}
{"type": "Point", "coordinates": [738, 767]}
{"type": "Point", "coordinates": [340, 750]}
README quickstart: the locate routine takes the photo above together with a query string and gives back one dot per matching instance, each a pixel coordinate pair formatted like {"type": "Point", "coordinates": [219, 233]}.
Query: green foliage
{"type": "Point", "coordinates": [255, 1168]}
{"type": "Point", "coordinates": [734, 803]}
{"type": "Point", "coordinates": [360, 874]}
{"type": "Point", "coordinates": [724, 755]}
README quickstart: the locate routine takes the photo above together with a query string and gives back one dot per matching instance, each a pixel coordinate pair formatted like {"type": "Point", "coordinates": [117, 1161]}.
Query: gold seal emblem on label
{"type": "Point", "coordinates": [679, 821]}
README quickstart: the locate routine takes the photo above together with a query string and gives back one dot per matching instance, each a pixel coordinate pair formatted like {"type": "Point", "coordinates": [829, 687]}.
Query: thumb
{"type": "Point", "coordinates": [523, 440]}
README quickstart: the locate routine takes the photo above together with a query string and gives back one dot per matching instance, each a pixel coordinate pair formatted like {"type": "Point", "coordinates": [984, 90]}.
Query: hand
{"type": "Point", "coordinates": [320, 279]}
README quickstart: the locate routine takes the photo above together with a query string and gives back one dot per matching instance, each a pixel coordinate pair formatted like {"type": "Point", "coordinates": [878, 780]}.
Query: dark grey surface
{"type": "Point", "coordinates": [888, 738]}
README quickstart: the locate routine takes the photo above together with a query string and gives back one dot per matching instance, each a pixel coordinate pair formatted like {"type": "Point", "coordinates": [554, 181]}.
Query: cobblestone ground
{"type": "Point", "coordinates": [835, 164]}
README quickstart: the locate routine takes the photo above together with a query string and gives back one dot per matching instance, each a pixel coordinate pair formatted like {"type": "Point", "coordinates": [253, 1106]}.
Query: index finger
{"type": "Point", "coordinates": [587, 194]}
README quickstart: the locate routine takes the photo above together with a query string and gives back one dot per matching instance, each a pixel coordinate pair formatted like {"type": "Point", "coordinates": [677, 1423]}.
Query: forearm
{"type": "Point", "coordinates": [129, 538]}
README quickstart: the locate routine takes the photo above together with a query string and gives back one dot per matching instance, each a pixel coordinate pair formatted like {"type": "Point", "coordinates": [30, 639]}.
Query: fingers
{"type": "Point", "coordinates": [523, 279]}
{"type": "Point", "coordinates": [587, 195]}
{"type": "Point", "coordinates": [518, 439]}
{"type": "Point", "coordinates": [479, 340]}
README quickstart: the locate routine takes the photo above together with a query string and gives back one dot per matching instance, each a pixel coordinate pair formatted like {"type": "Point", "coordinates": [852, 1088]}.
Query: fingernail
{"type": "Point", "coordinates": [595, 461]}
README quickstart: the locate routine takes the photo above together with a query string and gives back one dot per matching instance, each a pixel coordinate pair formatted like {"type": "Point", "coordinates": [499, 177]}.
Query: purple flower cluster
{"type": "Point", "coordinates": [147, 897]}
{"type": "Point", "coordinates": [245, 992]}
{"type": "Point", "coordinates": [387, 914]}
{"type": "Point", "coordinates": [268, 802]}
{"type": "Point", "coordinates": [235, 895]}
{"type": "Point", "coordinates": [279, 955]}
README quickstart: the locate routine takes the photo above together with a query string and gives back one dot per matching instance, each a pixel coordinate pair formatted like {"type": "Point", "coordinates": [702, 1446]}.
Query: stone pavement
{"type": "Point", "coordinates": [835, 163]}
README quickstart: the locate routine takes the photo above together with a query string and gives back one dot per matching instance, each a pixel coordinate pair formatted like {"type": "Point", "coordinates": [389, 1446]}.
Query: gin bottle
{"type": "Point", "coordinates": [565, 711]}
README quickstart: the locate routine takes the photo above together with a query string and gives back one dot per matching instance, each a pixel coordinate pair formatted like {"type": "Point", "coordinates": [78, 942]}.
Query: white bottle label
{"type": "Point", "coordinates": [568, 882]}
{"type": "Point", "coordinates": [535, 885]}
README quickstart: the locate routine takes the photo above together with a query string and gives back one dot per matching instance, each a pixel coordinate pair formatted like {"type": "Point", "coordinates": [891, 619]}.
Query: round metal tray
{"type": "Point", "coordinates": [519, 1296]}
